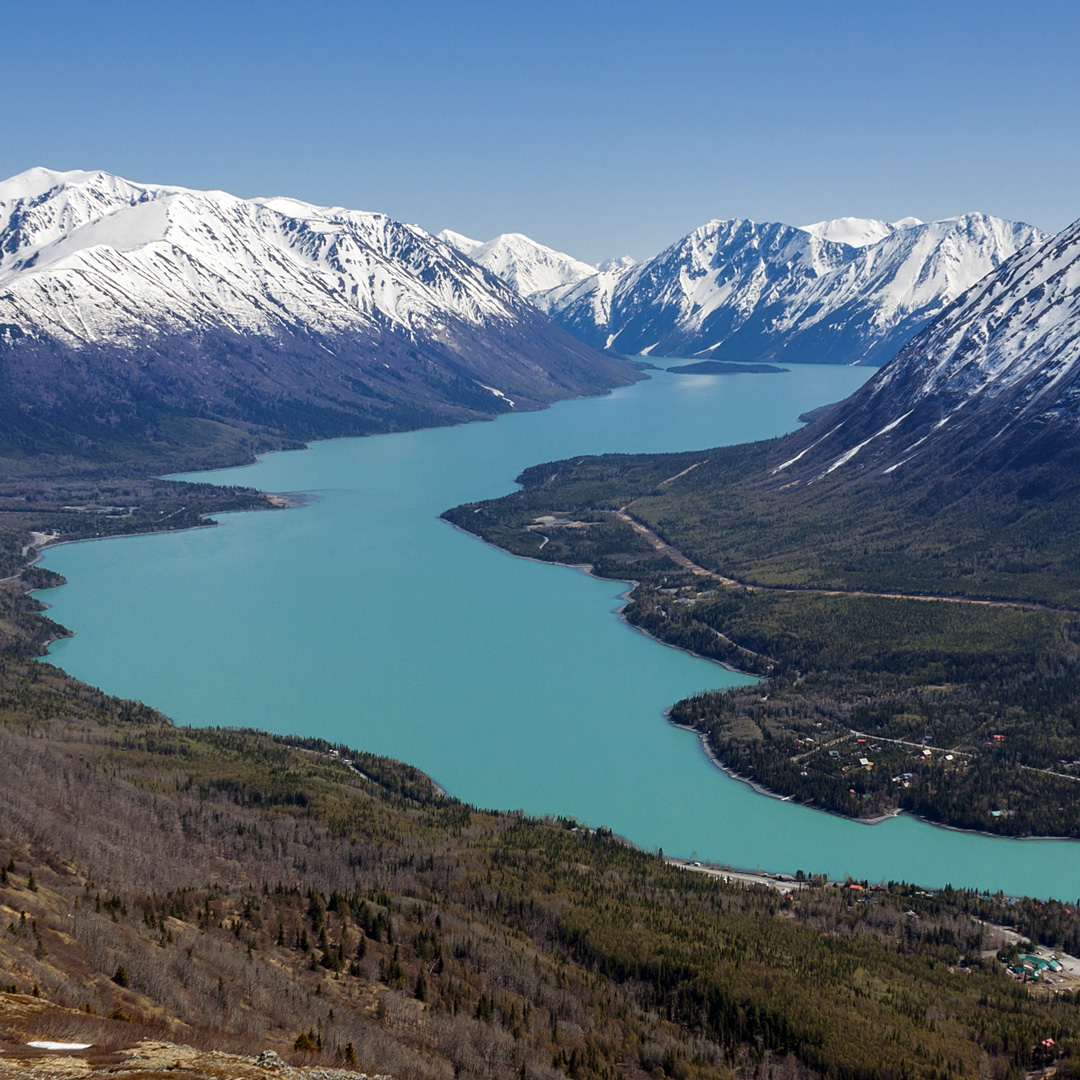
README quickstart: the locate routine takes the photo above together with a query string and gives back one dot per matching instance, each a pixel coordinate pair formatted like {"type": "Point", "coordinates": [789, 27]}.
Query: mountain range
{"type": "Point", "coordinates": [850, 291]}
{"type": "Point", "coordinates": [525, 265]}
{"type": "Point", "coordinates": [953, 470]}
{"type": "Point", "coordinates": [122, 304]}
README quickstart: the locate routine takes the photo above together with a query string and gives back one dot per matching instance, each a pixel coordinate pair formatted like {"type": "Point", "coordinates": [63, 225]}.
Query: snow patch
{"type": "Point", "coordinates": [465, 244]}
{"type": "Point", "coordinates": [855, 232]}
{"type": "Point", "coordinates": [892, 468]}
{"type": "Point", "coordinates": [843, 459]}
{"type": "Point", "coordinates": [780, 468]}
{"type": "Point", "coordinates": [498, 394]}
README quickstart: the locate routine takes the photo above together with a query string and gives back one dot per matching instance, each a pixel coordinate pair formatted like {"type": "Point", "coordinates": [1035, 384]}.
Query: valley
{"type": "Point", "coordinates": [342, 909]}
{"type": "Point", "coordinates": [539, 541]}
{"type": "Point", "coordinates": [534, 695]}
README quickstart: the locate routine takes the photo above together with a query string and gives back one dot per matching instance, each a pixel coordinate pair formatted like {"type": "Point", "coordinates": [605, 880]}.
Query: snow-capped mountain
{"type": "Point", "coordinates": [995, 377]}
{"type": "Point", "coordinates": [583, 307]}
{"type": "Point", "coordinates": [118, 299]}
{"type": "Point", "coordinates": [617, 263]}
{"type": "Point", "coordinates": [526, 266]}
{"type": "Point", "coordinates": [845, 291]}
{"type": "Point", "coordinates": [856, 232]}
{"type": "Point", "coordinates": [465, 244]}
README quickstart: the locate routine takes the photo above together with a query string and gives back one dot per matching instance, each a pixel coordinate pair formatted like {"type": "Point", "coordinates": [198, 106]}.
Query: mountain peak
{"type": "Point", "coordinates": [37, 181]}
{"type": "Point", "coordinates": [616, 264]}
{"type": "Point", "coordinates": [854, 231]}
{"type": "Point", "coordinates": [527, 266]}
{"type": "Point", "coordinates": [123, 300]}
{"type": "Point", "coordinates": [465, 244]}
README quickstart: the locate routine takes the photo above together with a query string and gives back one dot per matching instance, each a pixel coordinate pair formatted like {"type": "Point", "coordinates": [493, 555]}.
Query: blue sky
{"type": "Point", "coordinates": [596, 127]}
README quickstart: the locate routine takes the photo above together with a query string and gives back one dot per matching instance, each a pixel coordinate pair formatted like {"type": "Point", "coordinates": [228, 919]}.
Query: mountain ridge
{"type": "Point", "coordinates": [751, 291]}
{"type": "Point", "coordinates": [1009, 346]}
{"type": "Point", "coordinates": [903, 570]}
{"type": "Point", "coordinates": [270, 313]}
{"type": "Point", "coordinates": [526, 265]}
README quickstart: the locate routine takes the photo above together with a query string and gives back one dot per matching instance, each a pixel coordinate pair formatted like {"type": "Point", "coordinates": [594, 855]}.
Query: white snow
{"type": "Point", "coordinates": [525, 265]}
{"type": "Point", "coordinates": [1015, 335]}
{"type": "Point", "coordinates": [919, 269]}
{"type": "Point", "coordinates": [893, 468]}
{"type": "Point", "coordinates": [465, 244]}
{"type": "Point", "coordinates": [45, 1044]}
{"type": "Point", "coordinates": [591, 295]}
{"type": "Point", "coordinates": [1004, 360]}
{"type": "Point", "coordinates": [844, 458]}
{"type": "Point", "coordinates": [856, 232]}
{"type": "Point", "coordinates": [617, 263]}
{"type": "Point", "coordinates": [498, 394]}
{"type": "Point", "coordinates": [791, 461]}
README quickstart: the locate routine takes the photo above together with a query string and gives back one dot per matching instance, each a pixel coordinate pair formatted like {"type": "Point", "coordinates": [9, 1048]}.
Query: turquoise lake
{"type": "Point", "coordinates": [364, 619]}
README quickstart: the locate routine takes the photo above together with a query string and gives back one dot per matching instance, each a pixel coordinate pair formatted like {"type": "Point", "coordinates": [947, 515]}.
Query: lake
{"type": "Point", "coordinates": [364, 619]}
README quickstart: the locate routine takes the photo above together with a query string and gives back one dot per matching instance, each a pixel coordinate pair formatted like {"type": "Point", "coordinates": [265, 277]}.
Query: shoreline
{"type": "Point", "coordinates": [586, 568]}
{"type": "Point", "coordinates": [624, 596]}
{"type": "Point", "coordinates": [876, 820]}
{"type": "Point", "coordinates": [298, 500]}
{"type": "Point", "coordinates": [769, 793]}
{"type": "Point", "coordinates": [278, 501]}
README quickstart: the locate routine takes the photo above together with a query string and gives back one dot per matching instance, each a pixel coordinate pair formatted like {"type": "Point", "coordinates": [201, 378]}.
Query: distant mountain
{"type": "Point", "coordinates": [617, 263]}
{"type": "Point", "coordinates": [526, 266]}
{"type": "Point", "coordinates": [123, 303]}
{"type": "Point", "coordinates": [844, 291]}
{"type": "Point", "coordinates": [465, 244]}
{"type": "Point", "coordinates": [584, 307]}
{"type": "Point", "coordinates": [856, 232]}
{"type": "Point", "coordinates": [954, 471]}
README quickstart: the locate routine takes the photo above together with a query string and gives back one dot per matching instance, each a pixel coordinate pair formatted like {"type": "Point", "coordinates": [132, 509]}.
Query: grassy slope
{"type": "Point", "coordinates": [1007, 534]}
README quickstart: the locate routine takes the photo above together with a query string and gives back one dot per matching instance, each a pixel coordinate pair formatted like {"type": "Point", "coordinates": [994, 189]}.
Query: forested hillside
{"type": "Point", "coordinates": [334, 907]}
{"type": "Point", "coordinates": [237, 892]}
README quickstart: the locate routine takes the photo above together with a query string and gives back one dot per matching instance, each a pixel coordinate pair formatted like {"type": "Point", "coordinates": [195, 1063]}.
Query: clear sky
{"type": "Point", "coordinates": [597, 127]}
